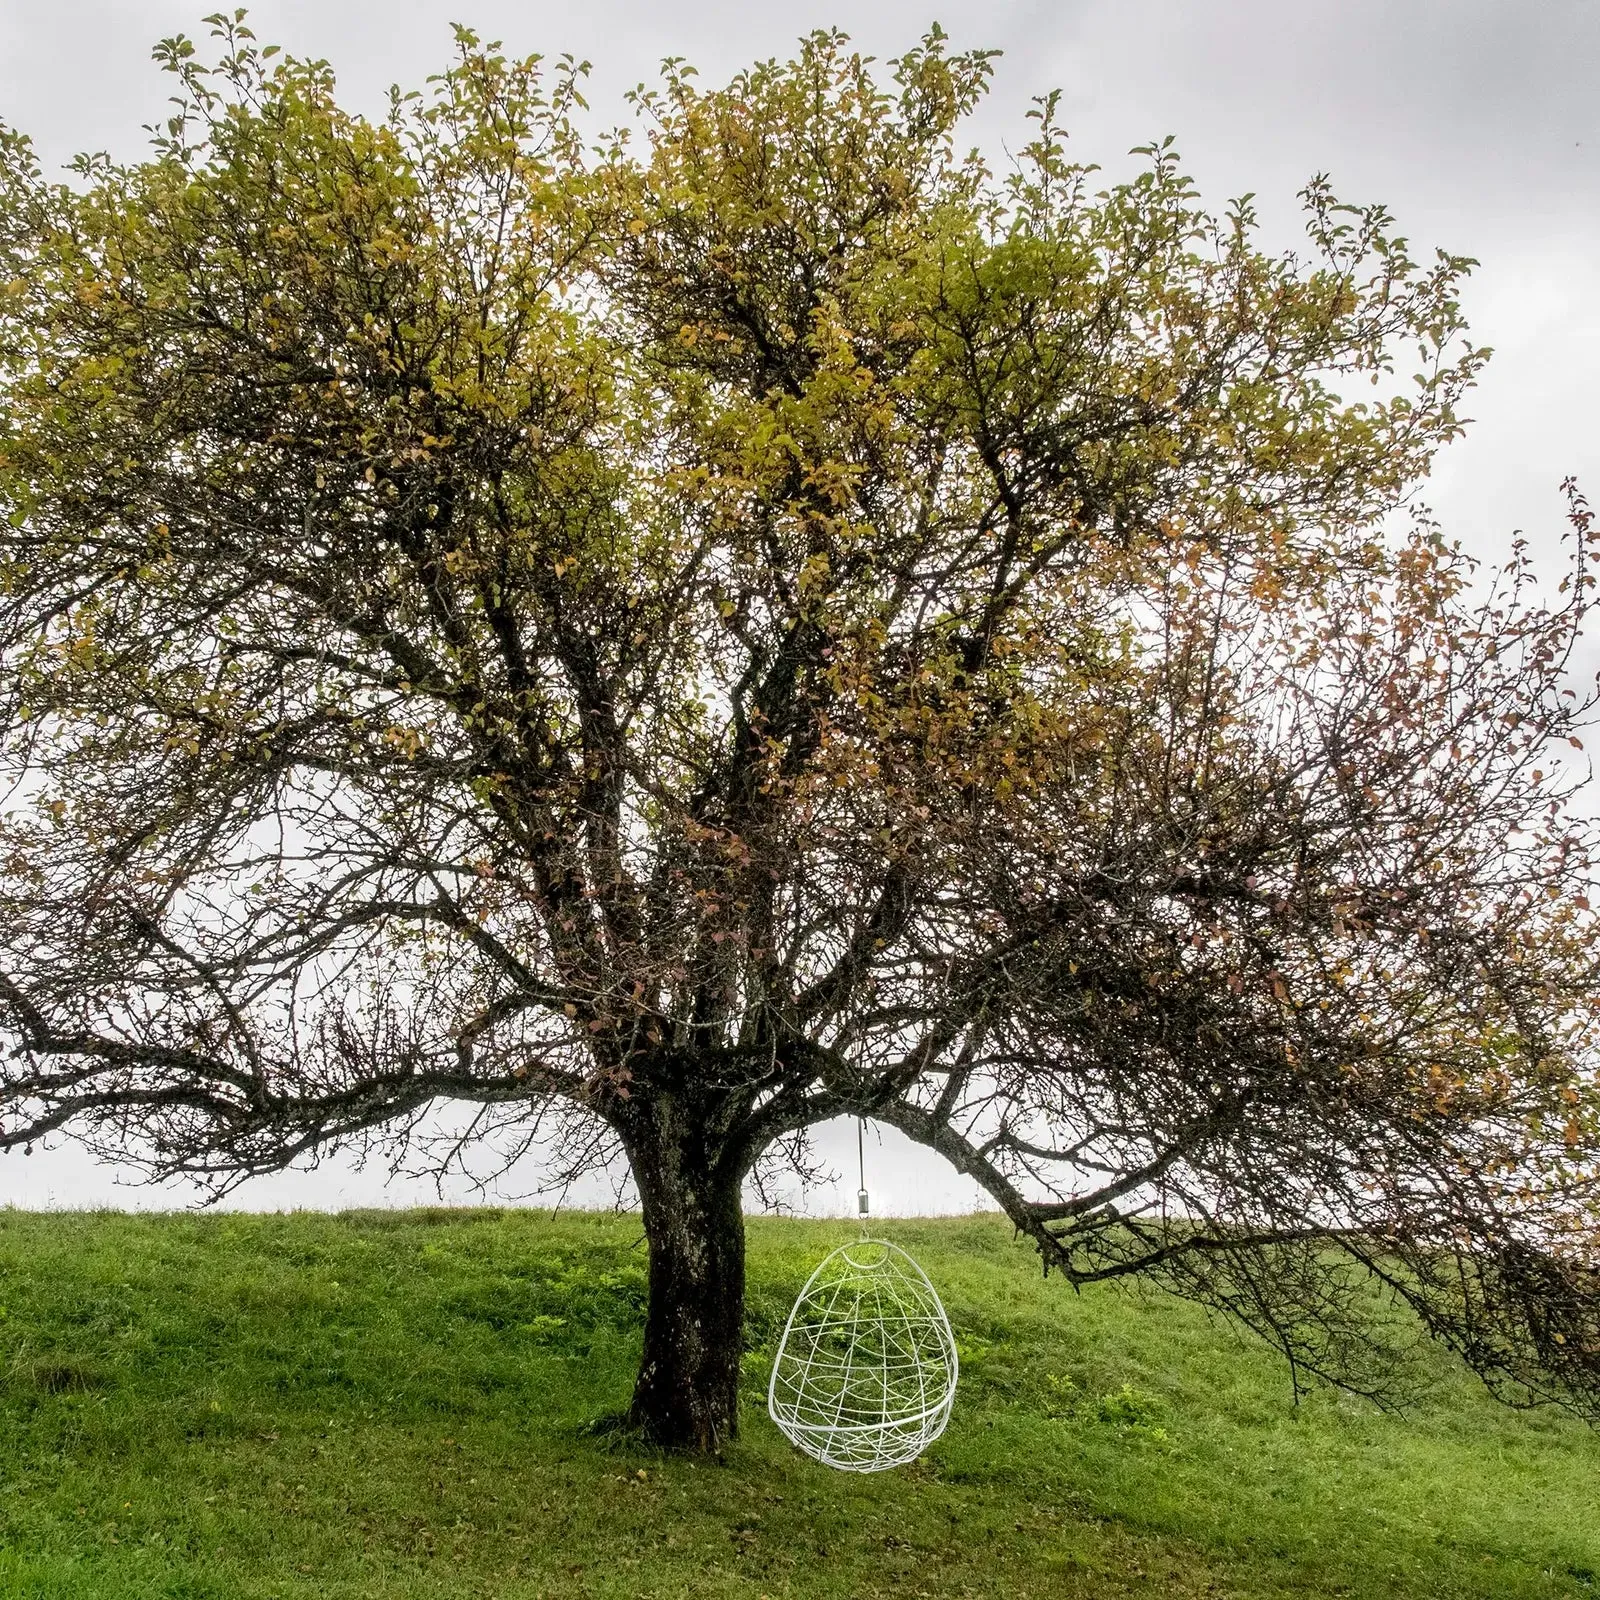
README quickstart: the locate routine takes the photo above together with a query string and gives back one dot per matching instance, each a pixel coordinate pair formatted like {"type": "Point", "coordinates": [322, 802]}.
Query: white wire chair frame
{"type": "Point", "coordinates": [866, 1371]}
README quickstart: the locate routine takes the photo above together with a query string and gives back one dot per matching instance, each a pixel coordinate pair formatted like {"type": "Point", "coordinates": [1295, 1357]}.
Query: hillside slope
{"type": "Point", "coordinates": [386, 1405]}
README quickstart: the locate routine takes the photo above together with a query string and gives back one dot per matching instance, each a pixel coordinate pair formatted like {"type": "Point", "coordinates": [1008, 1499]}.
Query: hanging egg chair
{"type": "Point", "coordinates": [866, 1371]}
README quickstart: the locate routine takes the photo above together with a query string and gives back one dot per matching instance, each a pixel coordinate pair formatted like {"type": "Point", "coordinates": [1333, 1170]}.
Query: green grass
{"type": "Point", "coordinates": [387, 1405]}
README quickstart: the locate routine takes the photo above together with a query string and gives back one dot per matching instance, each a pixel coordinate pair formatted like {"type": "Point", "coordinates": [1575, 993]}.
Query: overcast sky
{"type": "Point", "coordinates": [1476, 121]}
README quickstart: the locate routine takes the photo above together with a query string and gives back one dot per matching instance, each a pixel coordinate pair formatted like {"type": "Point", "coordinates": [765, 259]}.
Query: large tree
{"type": "Point", "coordinates": [697, 634]}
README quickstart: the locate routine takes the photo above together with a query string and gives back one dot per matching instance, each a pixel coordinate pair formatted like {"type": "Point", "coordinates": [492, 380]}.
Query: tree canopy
{"type": "Point", "coordinates": [674, 637]}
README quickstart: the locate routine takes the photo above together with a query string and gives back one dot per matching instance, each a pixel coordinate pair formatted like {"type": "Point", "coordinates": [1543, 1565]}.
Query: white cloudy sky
{"type": "Point", "coordinates": [1476, 121]}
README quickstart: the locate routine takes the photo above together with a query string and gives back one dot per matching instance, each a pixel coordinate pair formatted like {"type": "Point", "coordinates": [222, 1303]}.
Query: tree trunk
{"type": "Point", "coordinates": [687, 1394]}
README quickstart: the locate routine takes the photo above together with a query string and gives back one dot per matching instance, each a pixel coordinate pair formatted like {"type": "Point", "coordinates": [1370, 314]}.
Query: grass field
{"type": "Point", "coordinates": [388, 1405]}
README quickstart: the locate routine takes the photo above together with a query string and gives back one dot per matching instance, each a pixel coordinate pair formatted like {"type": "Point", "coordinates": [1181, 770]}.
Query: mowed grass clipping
{"type": "Point", "coordinates": [404, 1404]}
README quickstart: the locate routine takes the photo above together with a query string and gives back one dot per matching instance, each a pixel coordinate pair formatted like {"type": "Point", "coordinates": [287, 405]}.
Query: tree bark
{"type": "Point", "coordinates": [687, 1394]}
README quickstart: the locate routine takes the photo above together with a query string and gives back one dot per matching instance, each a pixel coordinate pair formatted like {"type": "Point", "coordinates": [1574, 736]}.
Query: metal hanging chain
{"type": "Point", "coordinates": [861, 1168]}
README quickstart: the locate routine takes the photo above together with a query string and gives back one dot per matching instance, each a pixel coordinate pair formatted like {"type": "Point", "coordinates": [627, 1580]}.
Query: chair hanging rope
{"type": "Point", "coordinates": [866, 1370]}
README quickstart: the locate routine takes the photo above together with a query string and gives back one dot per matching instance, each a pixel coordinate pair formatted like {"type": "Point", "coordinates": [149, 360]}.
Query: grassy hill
{"type": "Point", "coordinates": [386, 1405]}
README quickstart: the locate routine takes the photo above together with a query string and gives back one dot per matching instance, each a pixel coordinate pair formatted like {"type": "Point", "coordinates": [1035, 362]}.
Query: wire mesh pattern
{"type": "Point", "coordinates": [866, 1372]}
